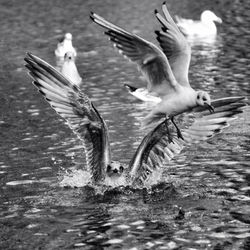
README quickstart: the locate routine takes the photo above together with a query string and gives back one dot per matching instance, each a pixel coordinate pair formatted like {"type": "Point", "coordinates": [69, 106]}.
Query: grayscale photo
{"type": "Point", "coordinates": [125, 124]}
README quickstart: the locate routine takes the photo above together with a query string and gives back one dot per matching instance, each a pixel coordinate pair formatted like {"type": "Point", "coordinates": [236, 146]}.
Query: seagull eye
{"type": "Point", "coordinates": [108, 168]}
{"type": "Point", "coordinates": [121, 169]}
{"type": "Point", "coordinates": [198, 97]}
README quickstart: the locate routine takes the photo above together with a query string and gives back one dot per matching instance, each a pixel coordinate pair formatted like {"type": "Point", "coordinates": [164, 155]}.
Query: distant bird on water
{"type": "Point", "coordinates": [203, 28]}
{"type": "Point", "coordinates": [64, 46]}
{"type": "Point", "coordinates": [69, 69]}
{"type": "Point", "coordinates": [154, 150]}
{"type": "Point", "coordinates": [166, 70]}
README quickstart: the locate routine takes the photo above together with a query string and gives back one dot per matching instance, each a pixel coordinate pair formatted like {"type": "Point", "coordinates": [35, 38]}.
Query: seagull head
{"type": "Point", "coordinates": [203, 99]}
{"type": "Point", "coordinates": [68, 36]}
{"type": "Point", "coordinates": [209, 16]}
{"type": "Point", "coordinates": [69, 56]}
{"type": "Point", "coordinates": [114, 169]}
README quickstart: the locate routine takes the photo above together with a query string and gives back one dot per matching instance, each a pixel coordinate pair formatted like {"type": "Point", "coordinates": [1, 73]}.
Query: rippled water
{"type": "Point", "coordinates": [203, 202]}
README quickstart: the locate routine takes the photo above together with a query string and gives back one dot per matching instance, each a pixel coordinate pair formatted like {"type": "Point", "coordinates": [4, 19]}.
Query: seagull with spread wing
{"type": "Point", "coordinates": [155, 149]}
{"type": "Point", "coordinates": [166, 70]}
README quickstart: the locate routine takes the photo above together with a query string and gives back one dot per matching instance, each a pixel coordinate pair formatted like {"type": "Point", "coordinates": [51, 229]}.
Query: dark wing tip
{"type": "Point", "coordinates": [27, 60]}
{"type": "Point", "coordinates": [107, 32]}
{"type": "Point", "coordinates": [156, 11]}
{"type": "Point", "coordinates": [164, 29]}
{"type": "Point", "coordinates": [92, 15]}
{"type": "Point", "coordinates": [28, 57]}
{"type": "Point", "coordinates": [130, 88]}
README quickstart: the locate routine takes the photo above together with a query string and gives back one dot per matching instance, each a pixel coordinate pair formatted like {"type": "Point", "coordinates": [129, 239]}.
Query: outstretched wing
{"type": "Point", "coordinates": [77, 109]}
{"type": "Point", "coordinates": [157, 148]}
{"type": "Point", "coordinates": [204, 124]}
{"type": "Point", "coordinates": [174, 45]}
{"type": "Point", "coordinates": [151, 60]}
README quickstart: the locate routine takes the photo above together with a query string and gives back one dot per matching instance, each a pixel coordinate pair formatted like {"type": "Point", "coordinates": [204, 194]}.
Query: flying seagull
{"type": "Point", "coordinates": [166, 70]}
{"type": "Point", "coordinates": [155, 148]}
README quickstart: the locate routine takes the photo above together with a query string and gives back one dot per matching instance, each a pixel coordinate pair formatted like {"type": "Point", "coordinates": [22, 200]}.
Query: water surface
{"type": "Point", "coordinates": [203, 202]}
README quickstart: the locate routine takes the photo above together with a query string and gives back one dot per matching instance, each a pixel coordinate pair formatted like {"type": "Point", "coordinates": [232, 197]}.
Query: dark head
{"type": "Point", "coordinates": [203, 99]}
{"type": "Point", "coordinates": [69, 56]}
{"type": "Point", "coordinates": [115, 169]}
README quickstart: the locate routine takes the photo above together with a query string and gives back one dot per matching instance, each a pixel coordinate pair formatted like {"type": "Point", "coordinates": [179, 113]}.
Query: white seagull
{"type": "Point", "coordinates": [166, 70]}
{"type": "Point", "coordinates": [69, 69]}
{"type": "Point", "coordinates": [64, 46]}
{"type": "Point", "coordinates": [155, 149]}
{"type": "Point", "coordinates": [203, 28]}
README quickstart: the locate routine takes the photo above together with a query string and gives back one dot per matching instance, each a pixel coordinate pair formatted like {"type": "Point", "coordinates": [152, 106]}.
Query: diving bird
{"type": "Point", "coordinates": [155, 148]}
{"type": "Point", "coordinates": [203, 28]}
{"type": "Point", "coordinates": [69, 69]}
{"type": "Point", "coordinates": [64, 46]}
{"type": "Point", "coordinates": [166, 70]}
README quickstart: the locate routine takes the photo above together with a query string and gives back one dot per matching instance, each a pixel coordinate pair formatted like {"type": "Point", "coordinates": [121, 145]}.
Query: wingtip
{"type": "Point", "coordinates": [92, 15]}
{"type": "Point", "coordinates": [129, 87]}
{"type": "Point", "coordinates": [32, 57]}
{"type": "Point", "coordinates": [156, 11]}
{"type": "Point", "coordinates": [28, 55]}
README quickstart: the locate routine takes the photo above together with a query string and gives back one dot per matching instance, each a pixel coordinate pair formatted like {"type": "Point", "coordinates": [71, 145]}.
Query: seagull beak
{"type": "Point", "coordinates": [218, 20]}
{"type": "Point", "coordinates": [210, 107]}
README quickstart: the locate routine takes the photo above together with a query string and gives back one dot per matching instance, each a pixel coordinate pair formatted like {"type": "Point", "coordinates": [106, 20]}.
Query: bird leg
{"type": "Point", "coordinates": [170, 138]}
{"type": "Point", "coordinates": [179, 134]}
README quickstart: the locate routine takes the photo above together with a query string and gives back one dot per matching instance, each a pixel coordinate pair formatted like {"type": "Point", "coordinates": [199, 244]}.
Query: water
{"type": "Point", "coordinates": [204, 200]}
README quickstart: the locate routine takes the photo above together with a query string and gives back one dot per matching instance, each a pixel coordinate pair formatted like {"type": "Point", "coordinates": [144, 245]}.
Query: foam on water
{"type": "Point", "coordinates": [75, 178]}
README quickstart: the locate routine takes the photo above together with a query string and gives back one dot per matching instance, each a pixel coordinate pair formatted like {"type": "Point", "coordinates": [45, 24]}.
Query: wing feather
{"type": "Point", "coordinates": [174, 45]}
{"type": "Point", "coordinates": [151, 61]}
{"type": "Point", "coordinates": [157, 148]}
{"type": "Point", "coordinates": [77, 109]}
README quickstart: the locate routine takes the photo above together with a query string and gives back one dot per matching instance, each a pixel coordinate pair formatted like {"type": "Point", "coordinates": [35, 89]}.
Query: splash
{"type": "Point", "coordinates": [75, 178]}
{"type": "Point", "coordinates": [78, 178]}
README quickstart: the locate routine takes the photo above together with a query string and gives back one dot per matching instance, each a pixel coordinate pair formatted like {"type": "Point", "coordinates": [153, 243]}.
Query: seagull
{"type": "Point", "coordinates": [142, 94]}
{"type": "Point", "coordinates": [166, 70]}
{"type": "Point", "coordinates": [203, 28]}
{"type": "Point", "coordinates": [155, 149]}
{"type": "Point", "coordinates": [69, 69]}
{"type": "Point", "coordinates": [64, 46]}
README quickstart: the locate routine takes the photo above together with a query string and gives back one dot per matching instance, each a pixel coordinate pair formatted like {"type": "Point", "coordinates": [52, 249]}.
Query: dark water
{"type": "Point", "coordinates": [204, 202]}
